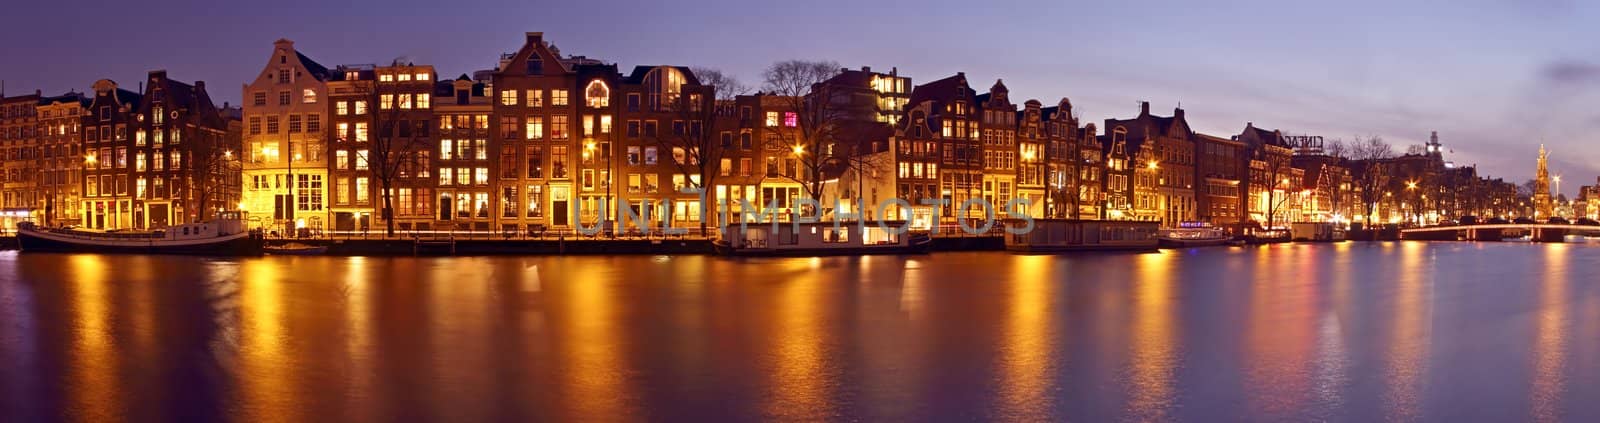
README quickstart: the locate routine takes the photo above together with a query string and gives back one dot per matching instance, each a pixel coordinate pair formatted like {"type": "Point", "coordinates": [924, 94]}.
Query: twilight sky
{"type": "Point", "coordinates": [1494, 77]}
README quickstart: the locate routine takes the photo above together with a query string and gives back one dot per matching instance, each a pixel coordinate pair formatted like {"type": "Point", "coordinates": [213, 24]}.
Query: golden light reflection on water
{"type": "Point", "coordinates": [1027, 351]}
{"type": "Point", "coordinates": [96, 388]}
{"type": "Point", "coordinates": [800, 373]}
{"type": "Point", "coordinates": [266, 374]}
{"type": "Point", "coordinates": [1411, 333]}
{"type": "Point", "coordinates": [1550, 343]}
{"type": "Point", "coordinates": [357, 296]}
{"type": "Point", "coordinates": [1154, 361]}
{"type": "Point", "coordinates": [594, 384]}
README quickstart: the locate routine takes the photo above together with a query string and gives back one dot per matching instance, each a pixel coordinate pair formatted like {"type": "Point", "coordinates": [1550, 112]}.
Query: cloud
{"type": "Point", "coordinates": [1571, 72]}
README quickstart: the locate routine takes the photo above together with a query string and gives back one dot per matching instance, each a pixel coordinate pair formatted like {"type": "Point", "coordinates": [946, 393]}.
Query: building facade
{"type": "Point", "coordinates": [285, 114]}
{"type": "Point", "coordinates": [19, 147]}
{"type": "Point", "coordinates": [61, 159]}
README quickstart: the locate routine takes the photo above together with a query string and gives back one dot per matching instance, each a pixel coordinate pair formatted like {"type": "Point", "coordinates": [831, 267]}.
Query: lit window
{"type": "Point", "coordinates": [361, 132]}
{"type": "Point", "coordinates": [772, 118]}
{"type": "Point", "coordinates": [341, 108]}
{"type": "Point", "coordinates": [424, 101]}
{"type": "Point", "coordinates": [405, 101]}
{"type": "Point", "coordinates": [405, 77]}
{"type": "Point", "coordinates": [535, 98]}
{"type": "Point", "coordinates": [508, 97]}
{"type": "Point", "coordinates": [308, 96]}
{"type": "Point", "coordinates": [597, 94]}
{"type": "Point", "coordinates": [535, 128]}
{"type": "Point", "coordinates": [605, 124]}
{"type": "Point", "coordinates": [446, 148]}
{"type": "Point", "coordinates": [791, 119]}
{"type": "Point", "coordinates": [386, 78]}
{"type": "Point", "coordinates": [558, 97]}
{"type": "Point", "coordinates": [424, 77]}
{"type": "Point", "coordinates": [361, 107]}
{"type": "Point", "coordinates": [386, 102]}
{"type": "Point", "coordinates": [361, 159]}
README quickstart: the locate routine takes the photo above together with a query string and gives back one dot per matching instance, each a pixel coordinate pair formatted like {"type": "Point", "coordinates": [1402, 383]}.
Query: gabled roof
{"type": "Point", "coordinates": [939, 90]}
{"type": "Point", "coordinates": [317, 69]}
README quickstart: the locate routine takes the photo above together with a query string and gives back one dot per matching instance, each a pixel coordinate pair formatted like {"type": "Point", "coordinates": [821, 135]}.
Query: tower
{"type": "Point", "coordinates": [1542, 208]}
{"type": "Point", "coordinates": [1435, 150]}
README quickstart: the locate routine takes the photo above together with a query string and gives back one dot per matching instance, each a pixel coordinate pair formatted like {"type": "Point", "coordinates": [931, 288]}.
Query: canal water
{"type": "Point", "coordinates": [1353, 331]}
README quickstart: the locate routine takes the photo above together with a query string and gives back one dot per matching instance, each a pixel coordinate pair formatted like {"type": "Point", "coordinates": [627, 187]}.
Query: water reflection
{"type": "Point", "coordinates": [95, 388]}
{"type": "Point", "coordinates": [1154, 361]}
{"type": "Point", "coordinates": [590, 337]}
{"type": "Point", "coordinates": [266, 369]}
{"type": "Point", "coordinates": [1407, 366]}
{"type": "Point", "coordinates": [1026, 351]}
{"type": "Point", "coordinates": [799, 376]}
{"type": "Point", "coordinates": [1550, 343]}
{"type": "Point", "coordinates": [1397, 331]}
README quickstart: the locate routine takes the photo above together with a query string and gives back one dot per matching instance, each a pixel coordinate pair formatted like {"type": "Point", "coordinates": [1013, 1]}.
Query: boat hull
{"type": "Point", "coordinates": [243, 244]}
{"type": "Point", "coordinates": [919, 245]}
{"type": "Point", "coordinates": [1191, 243]}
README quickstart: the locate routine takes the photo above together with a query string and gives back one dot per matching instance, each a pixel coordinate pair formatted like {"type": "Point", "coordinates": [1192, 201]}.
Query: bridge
{"type": "Point", "coordinates": [1539, 232]}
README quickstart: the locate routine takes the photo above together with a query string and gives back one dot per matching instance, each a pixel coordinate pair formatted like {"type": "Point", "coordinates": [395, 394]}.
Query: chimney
{"type": "Point", "coordinates": [866, 69]}
{"type": "Point", "coordinates": [535, 38]}
{"type": "Point", "coordinates": [200, 86]}
{"type": "Point", "coordinates": [1144, 108]}
{"type": "Point", "coordinates": [1177, 113]}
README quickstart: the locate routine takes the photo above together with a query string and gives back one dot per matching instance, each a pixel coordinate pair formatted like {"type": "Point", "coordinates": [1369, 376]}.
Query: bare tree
{"type": "Point", "coordinates": [1371, 175]}
{"type": "Point", "coordinates": [394, 144]}
{"type": "Point", "coordinates": [702, 147]}
{"type": "Point", "coordinates": [798, 86]}
{"type": "Point", "coordinates": [1338, 186]}
{"type": "Point", "coordinates": [214, 167]}
{"type": "Point", "coordinates": [1278, 186]}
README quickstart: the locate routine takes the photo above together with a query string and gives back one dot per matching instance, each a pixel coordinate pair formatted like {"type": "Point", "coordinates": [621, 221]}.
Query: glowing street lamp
{"type": "Point", "coordinates": [799, 150]}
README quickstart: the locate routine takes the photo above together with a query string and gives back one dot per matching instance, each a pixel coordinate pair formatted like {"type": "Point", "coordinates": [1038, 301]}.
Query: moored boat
{"type": "Point", "coordinates": [1193, 237]}
{"type": "Point", "coordinates": [295, 249]}
{"type": "Point", "coordinates": [819, 239]}
{"type": "Point", "coordinates": [225, 236]}
{"type": "Point", "coordinates": [1069, 235]}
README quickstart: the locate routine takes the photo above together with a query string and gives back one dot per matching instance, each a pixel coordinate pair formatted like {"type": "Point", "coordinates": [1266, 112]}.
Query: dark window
{"type": "Point", "coordinates": [633, 102]}
{"type": "Point", "coordinates": [535, 66]}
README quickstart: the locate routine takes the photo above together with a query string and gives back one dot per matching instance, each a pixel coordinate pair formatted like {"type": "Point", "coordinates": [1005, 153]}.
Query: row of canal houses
{"type": "Point", "coordinates": [546, 141]}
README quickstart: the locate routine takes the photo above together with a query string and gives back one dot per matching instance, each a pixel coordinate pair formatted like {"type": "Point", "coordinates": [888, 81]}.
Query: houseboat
{"type": "Point", "coordinates": [225, 236]}
{"type": "Point", "coordinates": [1316, 232]}
{"type": "Point", "coordinates": [1191, 236]}
{"type": "Point", "coordinates": [819, 239]}
{"type": "Point", "coordinates": [1064, 235]}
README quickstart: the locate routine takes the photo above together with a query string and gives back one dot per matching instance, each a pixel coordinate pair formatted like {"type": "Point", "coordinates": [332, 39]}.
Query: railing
{"type": "Point", "coordinates": [1580, 228]}
{"type": "Point", "coordinates": [552, 234]}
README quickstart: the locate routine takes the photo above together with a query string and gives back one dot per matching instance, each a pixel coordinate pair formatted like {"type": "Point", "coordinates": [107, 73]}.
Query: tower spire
{"type": "Point", "coordinates": [1542, 207]}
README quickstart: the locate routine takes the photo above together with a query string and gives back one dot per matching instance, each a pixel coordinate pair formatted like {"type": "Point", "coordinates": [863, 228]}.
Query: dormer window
{"type": "Point", "coordinates": [535, 65]}
{"type": "Point", "coordinates": [597, 95]}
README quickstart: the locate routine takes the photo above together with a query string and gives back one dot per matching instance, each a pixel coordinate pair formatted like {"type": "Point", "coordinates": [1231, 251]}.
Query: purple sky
{"type": "Point", "coordinates": [1494, 77]}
